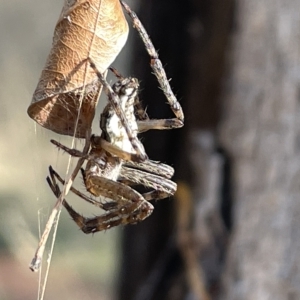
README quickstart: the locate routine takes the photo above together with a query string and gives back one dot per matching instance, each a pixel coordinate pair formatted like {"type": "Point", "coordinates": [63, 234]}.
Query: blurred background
{"type": "Point", "coordinates": [232, 230]}
{"type": "Point", "coordinates": [85, 266]}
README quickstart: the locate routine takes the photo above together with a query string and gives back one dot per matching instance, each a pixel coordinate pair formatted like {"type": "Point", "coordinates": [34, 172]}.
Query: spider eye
{"type": "Point", "coordinates": [117, 86]}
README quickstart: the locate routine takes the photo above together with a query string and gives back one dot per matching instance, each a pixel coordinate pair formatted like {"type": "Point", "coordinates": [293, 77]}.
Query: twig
{"type": "Point", "coordinates": [36, 261]}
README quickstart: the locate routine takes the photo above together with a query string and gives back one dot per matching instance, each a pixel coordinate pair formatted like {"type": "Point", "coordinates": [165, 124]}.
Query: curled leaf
{"type": "Point", "coordinates": [95, 29]}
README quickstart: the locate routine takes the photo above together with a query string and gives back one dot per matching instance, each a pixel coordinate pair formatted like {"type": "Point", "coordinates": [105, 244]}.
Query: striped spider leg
{"type": "Point", "coordinates": [113, 168]}
{"type": "Point", "coordinates": [156, 64]}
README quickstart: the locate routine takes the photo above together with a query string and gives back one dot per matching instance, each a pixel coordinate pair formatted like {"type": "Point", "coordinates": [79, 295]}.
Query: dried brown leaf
{"type": "Point", "coordinates": [86, 28]}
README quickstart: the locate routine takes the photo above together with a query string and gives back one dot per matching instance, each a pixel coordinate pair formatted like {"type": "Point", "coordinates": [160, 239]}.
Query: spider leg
{"type": "Point", "coordinates": [130, 208]}
{"type": "Point", "coordinates": [148, 196]}
{"type": "Point", "coordinates": [108, 188]}
{"type": "Point", "coordinates": [156, 64]}
{"type": "Point", "coordinates": [155, 195]}
{"type": "Point", "coordinates": [115, 102]}
{"type": "Point", "coordinates": [152, 167]}
{"type": "Point", "coordinates": [161, 124]}
{"type": "Point", "coordinates": [73, 152]}
{"type": "Point", "coordinates": [140, 111]}
{"type": "Point", "coordinates": [124, 215]}
{"type": "Point", "coordinates": [134, 210]}
{"type": "Point", "coordinates": [148, 180]}
{"type": "Point", "coordinates": [100, 143]}
{"type": "Point", "coordinates": [52, 183]}
{"type": "Point", "coordinates": [116, 73]}
{"type": "Point", "coordinates": [117, 191]}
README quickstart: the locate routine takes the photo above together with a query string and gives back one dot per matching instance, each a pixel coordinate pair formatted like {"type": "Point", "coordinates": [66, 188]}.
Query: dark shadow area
{"type": "Point", "coordinates": [191, 38]}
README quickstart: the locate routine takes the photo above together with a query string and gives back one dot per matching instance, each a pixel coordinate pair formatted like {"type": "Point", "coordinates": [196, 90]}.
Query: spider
{"type": "Point", "coordinates": [117, 159]}
{"type": "Point", "coordinates": [155, 63]}
{"type": "Point", "coordinates": [113, 167]}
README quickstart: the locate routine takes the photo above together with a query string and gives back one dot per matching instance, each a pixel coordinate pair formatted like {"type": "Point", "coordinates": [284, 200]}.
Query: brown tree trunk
{"type": "Point", "coordinates": [170, 256]}
{"type": "Point", "coordinates": [260, 130]}
{"type": "Point", "coordinates": [238, 152]}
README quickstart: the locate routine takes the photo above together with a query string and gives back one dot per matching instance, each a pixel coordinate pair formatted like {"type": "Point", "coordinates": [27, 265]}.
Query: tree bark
{"type": "Point", "coordinates": [260, 130]}
{"type": "Point", "coordinates": [237, 159]}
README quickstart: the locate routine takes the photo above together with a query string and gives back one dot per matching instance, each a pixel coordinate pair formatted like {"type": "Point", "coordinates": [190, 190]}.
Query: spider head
{"type": "Point", "coordinates": [127, 90]}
